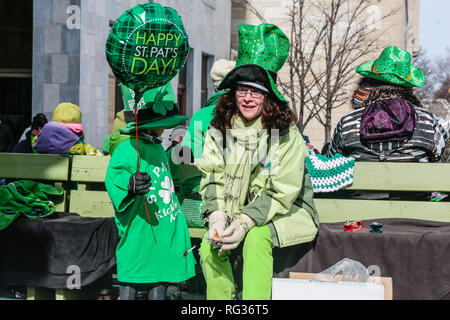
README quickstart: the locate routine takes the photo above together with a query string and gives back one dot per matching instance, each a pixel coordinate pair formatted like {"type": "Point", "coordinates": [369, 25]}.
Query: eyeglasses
{"type": "Point", "coordinates": [254, 94]}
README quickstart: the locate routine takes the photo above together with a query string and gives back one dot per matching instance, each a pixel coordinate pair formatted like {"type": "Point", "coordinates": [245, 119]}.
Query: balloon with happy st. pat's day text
{"type": "Point", "coordinates": [146, 47]}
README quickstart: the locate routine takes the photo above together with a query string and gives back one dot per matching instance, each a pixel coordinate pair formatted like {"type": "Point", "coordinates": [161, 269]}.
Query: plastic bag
{"type": "Point", "coordinates": [345, 270]}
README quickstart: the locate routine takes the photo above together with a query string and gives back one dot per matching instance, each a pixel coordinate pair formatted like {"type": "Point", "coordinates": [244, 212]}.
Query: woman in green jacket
{"type": "Point", "coordinates": [255, 187]}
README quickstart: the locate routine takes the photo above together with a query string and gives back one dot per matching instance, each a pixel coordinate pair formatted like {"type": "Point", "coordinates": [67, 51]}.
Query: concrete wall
{"type": "Point", "coordinates": [56, 56]}
{"type": "Point", "coordinates": [207, 22]}
{"type": "Point", "coordinates": [68, 60]}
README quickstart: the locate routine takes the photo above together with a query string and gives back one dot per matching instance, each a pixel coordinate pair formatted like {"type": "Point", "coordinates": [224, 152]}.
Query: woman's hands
{"type": "Point", "coordinates": [231, 237]}
{"type": "Point", "coordinates": [217, 223]}
{"type": "Point", "coordinates": [235, 233]}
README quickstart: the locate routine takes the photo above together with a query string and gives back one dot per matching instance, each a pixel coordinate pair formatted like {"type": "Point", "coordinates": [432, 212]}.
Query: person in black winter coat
{"type": "Point", "coordinates": [25, 145]}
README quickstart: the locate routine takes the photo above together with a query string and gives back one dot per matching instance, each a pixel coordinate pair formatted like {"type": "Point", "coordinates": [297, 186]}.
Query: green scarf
{"type": "Point", "coordinates": [246, 147]}
{"type": "Point", "coordinates": [27, 197]}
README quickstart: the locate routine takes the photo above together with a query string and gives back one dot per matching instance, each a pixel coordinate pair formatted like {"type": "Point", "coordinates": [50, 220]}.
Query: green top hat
{"type": "Point", "coordinates": [156, 109]}
{"type": "Point", "coordinates": [147, 46]}
{"type": "Point", "coordinates": [262, 53]}
{"type": "Point", "coordinates": [393, 66]}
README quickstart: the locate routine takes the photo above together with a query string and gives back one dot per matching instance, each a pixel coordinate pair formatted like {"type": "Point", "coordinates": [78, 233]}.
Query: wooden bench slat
{"type": "Point", "coordinates": [91, 204]}
{"type": "Point", "coordinates": [197, 232]}
{"type": "Point", "coordinates": [405, 176]}
{"type": "Point", "coordinates": [340, 210]}
{"type": "Point", "coordinates": [34, 166]}
{"type": "Point", "coordinates": [89, 169]}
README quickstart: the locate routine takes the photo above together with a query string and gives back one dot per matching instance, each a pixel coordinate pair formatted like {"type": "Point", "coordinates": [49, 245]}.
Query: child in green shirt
{"type": "Point", "coordinates": [154, 247]}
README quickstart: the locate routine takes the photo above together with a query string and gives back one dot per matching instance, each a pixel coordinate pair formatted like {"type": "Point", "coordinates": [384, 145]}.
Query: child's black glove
{"type": "Point", "coordinates": [139, 184]}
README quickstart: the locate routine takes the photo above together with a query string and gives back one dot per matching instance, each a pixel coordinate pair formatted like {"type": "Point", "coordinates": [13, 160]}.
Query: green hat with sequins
{"type": "Point", "coordinates": [262, 53]}
{"type": "Point", "coordinates": [393, 66]}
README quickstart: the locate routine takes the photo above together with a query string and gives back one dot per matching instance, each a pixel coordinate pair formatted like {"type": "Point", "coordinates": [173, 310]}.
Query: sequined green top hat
{"type": "Point", "coordinates": [393, 66]}
{"type": "Point", "coordinates": [146, 47]}
{"type": "Point", "coordinates": [262, 53]}
{"type": "Point", "coordinates": [156, 109]}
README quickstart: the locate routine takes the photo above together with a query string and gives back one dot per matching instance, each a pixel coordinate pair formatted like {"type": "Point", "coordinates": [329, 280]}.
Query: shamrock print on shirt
{"type": "Point", "coordinates": [167, 189]}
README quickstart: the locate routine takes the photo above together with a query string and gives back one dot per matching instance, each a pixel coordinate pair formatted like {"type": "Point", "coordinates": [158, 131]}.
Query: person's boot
{"type": "Point", "coordinates": [127, 293]}
{"type": "Point", "coordinates": [141, 295]}
{"type": "Point", "coordinates": [105, 294]}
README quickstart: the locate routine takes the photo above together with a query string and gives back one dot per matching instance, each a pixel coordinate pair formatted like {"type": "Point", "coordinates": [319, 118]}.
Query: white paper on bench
{"type": "Point", "coordinates": [300, 289]}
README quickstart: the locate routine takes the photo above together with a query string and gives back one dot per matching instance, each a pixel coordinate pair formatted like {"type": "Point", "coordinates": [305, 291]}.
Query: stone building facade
{"type": "Point", "coordinates": [67, 61]}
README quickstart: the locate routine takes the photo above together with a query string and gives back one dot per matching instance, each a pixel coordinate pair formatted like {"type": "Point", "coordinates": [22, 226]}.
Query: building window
{"type": "Point", "coordinates": [181, 99]}
{"type": "Point", "coordinates": [185, 85]}
{"type": "Point", "coordinates": [16, 31]}
{"type": "Point", "coordinates": [16, 59]}
{"type": "Point", "coordinates": [206, 89]}
{"type": "Point", "coordinates": [115, 102]}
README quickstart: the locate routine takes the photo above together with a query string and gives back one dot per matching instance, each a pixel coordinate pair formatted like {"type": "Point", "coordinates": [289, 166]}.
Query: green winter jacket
{"type": "Point", "coordinates": [198, 125]}
{"type": "Point", "coordinates": [280, 193]}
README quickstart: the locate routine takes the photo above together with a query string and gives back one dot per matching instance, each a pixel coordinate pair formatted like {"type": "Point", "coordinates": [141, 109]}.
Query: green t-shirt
{"type": "Point", "coordinates": [148, 253]}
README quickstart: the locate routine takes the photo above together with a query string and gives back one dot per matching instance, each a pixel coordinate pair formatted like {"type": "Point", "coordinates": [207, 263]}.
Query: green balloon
{"type": "Point", "coordinates": [147, 46]}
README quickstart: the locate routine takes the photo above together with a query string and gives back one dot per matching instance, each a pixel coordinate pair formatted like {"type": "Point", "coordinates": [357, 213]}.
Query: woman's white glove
{"type": "Point", "coordinates": [217, 222]}
{"type": "Point", "coordinates": [234, 234]}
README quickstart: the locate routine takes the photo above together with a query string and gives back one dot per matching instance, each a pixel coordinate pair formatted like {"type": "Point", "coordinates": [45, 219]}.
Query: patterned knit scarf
{"type": "Point", "coordinates": [329, 174]}
{"type": "Point", "coordinates": [361, 93]}
{"type": "Point", "coordinates": [245, 142]}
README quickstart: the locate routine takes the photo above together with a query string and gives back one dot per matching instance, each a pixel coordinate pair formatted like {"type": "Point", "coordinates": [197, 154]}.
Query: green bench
{"type": "Point", "coordinates": [391, 176]}
{"type": "Point", "coordinates": [90, 198]}
{"type": "Point", "coordinates": [381, 177]}
{"type": "Point", "coordinates": [50, 169]}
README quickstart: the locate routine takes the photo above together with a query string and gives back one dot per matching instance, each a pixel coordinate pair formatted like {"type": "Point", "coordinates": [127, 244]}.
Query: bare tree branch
{"type": "Point", "coordinates": [329, 38]}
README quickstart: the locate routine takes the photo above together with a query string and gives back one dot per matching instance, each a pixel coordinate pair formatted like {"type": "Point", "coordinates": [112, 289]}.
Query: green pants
{"type": "Point", "coordinates": [257, 273]}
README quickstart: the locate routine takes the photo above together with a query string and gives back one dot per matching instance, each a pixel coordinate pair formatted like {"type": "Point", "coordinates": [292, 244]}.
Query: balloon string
{"type": "Point", "coordinates": [139, 166]}
{"type": "Point", "coordinates": [137, 144]}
